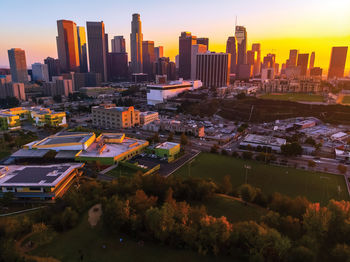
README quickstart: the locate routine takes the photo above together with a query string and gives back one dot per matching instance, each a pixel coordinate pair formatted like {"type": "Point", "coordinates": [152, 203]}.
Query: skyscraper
{"type": "Point", "coordinates": [186, 40]}
{"type": "Point", "coordinates": [303, 61]}
{"type": "Point", "coordinates": [213, 69]}
{"type": "Point", "coordinates": [106, 44]}
{"type": "Point", "coordinates": [53, 67]}
{"type": "Point", "coordinates": [256, 48]}
{"type": "Point", "coordinates": [241, 37]}
{"type": "Point", "coordinates": [203, 41]}
{"type": "Point", "coordinates": [40, 72]}
{"type": "Point", "coordinates": [18, 65]}
{"type": "Point", "coordinates": [148, 58]}
{"type": "Point", "coordinates": [118, 44]}
{"type": "Point", "coordinates": [269, 61]}
{"type": "Point", "coordinates": [337, 62]}
{"type": "Point", "coordinates": [67, 45]}
{"type": "Point", "coordinates": [158, 52]}
{"type": "Point", "coordinates": [117, 66]}
{"type": "Point", "coordinates": [82, 49]}
{"type": "Point", "coordinates": [293, 57]}
{"type": "Point", "coordinates": [97, 48]}
{"type": "Point", "coordinates": [231, 48]}
{"type": "Point", "coordinates": [136, 38]}
{"type": "Point", "coordinates": [312, 60]}
{"type": "Point", "coordinates": [196, 49]}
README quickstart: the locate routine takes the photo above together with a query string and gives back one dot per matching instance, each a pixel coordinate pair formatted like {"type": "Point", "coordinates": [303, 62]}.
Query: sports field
{"type": "Point", "coordinates": [294, 97]}
{"type": "Point", "coordinates": [317, 187]}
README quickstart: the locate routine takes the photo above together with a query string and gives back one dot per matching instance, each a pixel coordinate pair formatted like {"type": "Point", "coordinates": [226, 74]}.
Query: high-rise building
{"type": "Point", "coordinates": [136, 38]}
{"type": "Point", "coordinates": [106, 44]}
{"type": "Point", "coordinates": [53, 67]}
{"type": "Point", "coordinates": [186, 41]}
{"type": "Point", "coordinates": [337, 62]}
{"type": "Point", "coordinates": [312, 60]}
{"type": "Point", "coordinates": [18, 65]}
{"type": "Point", "coordinates": [241, 37]}
{"type": "Point", "coordinates": [97, 48]}
{"type": "Point", "coordinates": [117, 66]}
{"type": "Point", "coordinates": [118, 44]}
{"type": "Point", "coordinates": [303, 61]}
{"type": "Point", "coordinates": [250, 57]}
{"type": "Point", "coordinates": [58, 87]}
{"type": "Point", "coordinates": [213, 69]}
{"type": "Point", "coordinates": [293, 57]}
{"type": "Point", "coordinates": [269, 61]}
{"type": "Point", "coordinates": [148, 58]}
{"type": "Point", "coordinates": [231, 48]}
{"type": "Point", "coordinates": [40, 72]}
{"type": "Point", "coordinates": [196, 49]}
{"type": "Point", "coordinates": [67, 45]}
{"type": "Point", "coordinates": [203, 41]}
{"type": "Point", "coordinates": [82, 49]}
{"type": "Point", "coordinates": [12, 90]}
{"type": "Point", "coordinates": [158, 52]}
{"type": "Point", "coordinates": [256, 48]}
{"type": "Point", "coordinates": [316, 73]}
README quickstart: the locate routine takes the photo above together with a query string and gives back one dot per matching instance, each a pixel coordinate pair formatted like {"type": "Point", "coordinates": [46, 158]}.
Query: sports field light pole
{"type": "Point", "coordinates": [246, 172]}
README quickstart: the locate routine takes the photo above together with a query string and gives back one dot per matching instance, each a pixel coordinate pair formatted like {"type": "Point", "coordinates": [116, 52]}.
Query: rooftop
{"type": "Point", "coordinates": [265, 140]}
{"type": "Point", "coordinates": [35, 175]}
{"type": "Point", "coordinates": [65, 139]}
{"type": "Point", "coordinates": [167, 145]}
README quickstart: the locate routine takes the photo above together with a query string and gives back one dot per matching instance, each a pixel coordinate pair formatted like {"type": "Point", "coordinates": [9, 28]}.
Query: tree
{"type": "Point", "coordinates": [156, 137]}
{"type": "Point", "coordinates": [214, 149]}
{"type": "Point", "coordinates": [171, 137]}
{"type": "Point", "coordinates": [247, 192]}
{"type": "Point", "coordinates": [7, 198]}
{"type": "Point", "coordinates": [183, 139]}
{"type": "Point", "coordinates": [226, 184]}
{"type": "Point", "coordinates": [311, 163]}
{"type": "Point", "coordinates": [310, 141]}
{"type": "Point", "coordinates": [292, 149]}
{"type": "Point", "coordinates": [340, 253]}
{"type": "Point", "coordinates": [301, 254]}
{"type": "Point", "coordinates": [342, 169]}
{"type": "Point", "coordinates": [224, 152]}
{"type": "Point", "coordinates": [247, 155]}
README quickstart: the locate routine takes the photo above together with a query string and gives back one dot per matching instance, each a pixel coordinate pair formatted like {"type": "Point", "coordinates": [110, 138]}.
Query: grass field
{"type": "Point", "coordinates": [294, 97]}
{"type": "Point", "coordinates": [346, 100]}
{"type": "Point", "coordinates": [121, 171]}
{"type": "Point", "coordinates": [233, 210]}
{"type": "Point", "coordinates": [317, 187]}
{"type": "Point", "coordinates": [90, 241]}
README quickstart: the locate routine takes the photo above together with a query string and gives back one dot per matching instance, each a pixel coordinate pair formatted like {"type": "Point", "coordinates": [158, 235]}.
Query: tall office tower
{"type": "Point", "coordinates": [53, 67]}
{"type": "Point", "coordinates": [148, 58]}
{"type": "Point", "coordinates": [166, 67]}
{"type": "Point", "coordinates": [337, 63]}
{"type": "Point", "coordinates": [303, 60]}
{"type": "Point", "coordinates": [250, 57]}
{"type": "Point", "coordinates": [196, 49]}
{"type": "Point", "coordinates": [256, 48]}
{"type": "Point", "coordinates": [158, 52]}
{"type": "Point", "coordinates": [18, 65]}
{"type": "Point", "coordinates": [241, 37]}
{"type": "Point", "coordinates": [213, 69]}
{"type": "Point", "coordinates": [82, 48]}
{"type": "Point", "coordinates": [136, 38]}
{"type": "Point", "coordinates": [231, 48]}
{"type": "Point", "coordinates": [186, 41]}
{"type": "Point", "coordinates": [293, 57]}
{"type": "Point", "coordinates": [106, 44]}
{"type": "Point", "coordinates": [40, 72]}
{"type": "Point", "coordinates": [117, 66]}
{"type": "Point", "coordinates": [277, 69]}
{"type": "Point", "coordinates": [118, 44]}
{"type": "Point", "coordinates": [177, 61]}
{"type": "Point", "coordinates": [203, 41]}
{"type": "Point", "coordinates": [269, 61]}
{"type": "Point", "coordinates": [97, 48]}
{"type": "Point", "coordinates": [12, 90]}
{"type": "Point", "coordinates": [312, 60]}
{"type": "Point", "coordinates": [67, 45]}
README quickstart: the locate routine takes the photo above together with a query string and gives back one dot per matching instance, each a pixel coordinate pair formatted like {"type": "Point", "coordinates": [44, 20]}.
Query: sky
{"type": "Point", "coordinates": [279, 25]}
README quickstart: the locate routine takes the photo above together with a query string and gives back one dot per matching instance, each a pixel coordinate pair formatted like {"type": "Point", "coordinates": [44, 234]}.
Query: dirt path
{"type": "Point", "coordinates": [95, 213]}
{"type": "Point", "coordinates": [23, 250]}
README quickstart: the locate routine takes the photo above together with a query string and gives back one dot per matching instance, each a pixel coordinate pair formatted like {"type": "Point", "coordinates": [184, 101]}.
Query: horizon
{"type": "Point", "coordinates": [315, 27]}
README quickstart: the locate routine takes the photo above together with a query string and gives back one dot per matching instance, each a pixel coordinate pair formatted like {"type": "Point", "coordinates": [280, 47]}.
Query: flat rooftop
{"type": "Point", "coordinates": [65, 139]}
{"type": "Point", "coordinates": [264, 140]}
{"type": "Point", "coordinates": [35, 175]}
{"type": "Point", "coordinates": [167, 145]}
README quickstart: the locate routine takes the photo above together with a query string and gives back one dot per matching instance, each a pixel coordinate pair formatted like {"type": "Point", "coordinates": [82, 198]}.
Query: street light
{"type": "Point", "coordinates": [246, 172]}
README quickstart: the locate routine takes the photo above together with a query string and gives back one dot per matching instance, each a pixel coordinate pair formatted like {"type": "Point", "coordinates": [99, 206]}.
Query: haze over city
{"type": "Point", "coordinates": [278, 25]}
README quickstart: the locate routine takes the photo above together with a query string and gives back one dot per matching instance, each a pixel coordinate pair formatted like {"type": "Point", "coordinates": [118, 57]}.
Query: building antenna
{"type": "Point", "coordinates": [236, 22]}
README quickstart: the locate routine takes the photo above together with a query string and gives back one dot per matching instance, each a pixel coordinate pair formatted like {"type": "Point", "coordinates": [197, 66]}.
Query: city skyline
{"type": "Point", "coordinates": [310, 28]}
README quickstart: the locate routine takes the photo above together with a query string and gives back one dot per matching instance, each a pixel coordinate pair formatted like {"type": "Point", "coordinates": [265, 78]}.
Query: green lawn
{"type": "Point", "coordinates": [294, 97]}
{"type": "Point", "coordinates": [317, 187]}
{"type": "Point", "coordinates": [90, 241]}
{"type": "Point", "coordinates": [346, 100]}
{"type": "Point", "coordinates": [233, 210]}
{"type": "Point", "coordinates": [121, 171]}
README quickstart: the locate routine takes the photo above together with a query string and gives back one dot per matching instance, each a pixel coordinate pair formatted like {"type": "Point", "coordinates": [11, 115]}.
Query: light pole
{"type": "Point", "coordinates": [246, 172]}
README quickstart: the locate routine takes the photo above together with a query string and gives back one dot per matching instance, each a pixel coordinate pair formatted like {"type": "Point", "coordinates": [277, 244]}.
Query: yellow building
{"type": "Point", "coordinates": [45, 116]}
{"type": "Point", "coordinates": [112, 117]}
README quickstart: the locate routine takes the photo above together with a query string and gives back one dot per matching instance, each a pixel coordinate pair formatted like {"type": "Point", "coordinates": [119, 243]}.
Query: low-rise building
{"type": "Point", "coordinates": [38, 182]}
{"type": "Point", "coordinates": [113, 117]}
{"type": "Point", "coordinates": [255, 141]}
{"type": "Point", "coordinates": [47, 117]}
{"type": "Point", "coordinates": [148, 117]}
{"type": "Point", "coordinates": [168, 150]}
